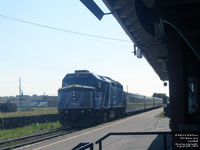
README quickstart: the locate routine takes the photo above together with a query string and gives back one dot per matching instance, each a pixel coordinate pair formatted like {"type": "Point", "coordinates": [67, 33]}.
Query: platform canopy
{"type": "Point", "coordinates": [144, 22]}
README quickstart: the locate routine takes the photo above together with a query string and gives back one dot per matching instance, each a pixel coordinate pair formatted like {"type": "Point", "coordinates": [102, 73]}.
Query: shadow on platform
{"type": "Point", "coordinates": [158, 143]}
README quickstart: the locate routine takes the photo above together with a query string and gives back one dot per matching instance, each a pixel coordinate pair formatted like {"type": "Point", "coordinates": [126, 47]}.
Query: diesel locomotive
{"type": "Point", "coordinates": [86, 98]}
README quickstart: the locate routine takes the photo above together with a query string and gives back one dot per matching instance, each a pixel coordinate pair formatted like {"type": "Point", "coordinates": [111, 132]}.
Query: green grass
{"type": "Point", "coordinates": [30, 112]}
{"type": "Point", "coordinates": [28, 130]}
{"type": "Point", "coordinates": [161, 115]}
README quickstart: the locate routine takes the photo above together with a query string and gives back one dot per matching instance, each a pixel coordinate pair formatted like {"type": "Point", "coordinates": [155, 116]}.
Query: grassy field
{"type": "Point", "coordinates": [28, 130]}
{"type": "Point", "coordinates": [30, 112]}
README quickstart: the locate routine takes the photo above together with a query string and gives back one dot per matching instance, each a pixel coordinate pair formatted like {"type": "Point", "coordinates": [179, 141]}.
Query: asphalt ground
{"type": "Point", "coordinates": [146, 121]}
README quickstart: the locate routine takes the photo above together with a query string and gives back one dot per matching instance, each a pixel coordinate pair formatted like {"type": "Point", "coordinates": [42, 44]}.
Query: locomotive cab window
{"type": "Point", "coordinates": [99, 84]}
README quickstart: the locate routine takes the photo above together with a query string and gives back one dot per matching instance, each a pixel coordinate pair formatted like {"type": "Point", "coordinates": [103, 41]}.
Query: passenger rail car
{"type": "Point", "coordinates": [136, 102]}
{"type": "Point", "coordinates": [86, 98]}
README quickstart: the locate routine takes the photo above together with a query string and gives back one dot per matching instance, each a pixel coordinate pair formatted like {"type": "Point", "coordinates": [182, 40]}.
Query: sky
{"type": "Point", "coordinates": [41, 57]}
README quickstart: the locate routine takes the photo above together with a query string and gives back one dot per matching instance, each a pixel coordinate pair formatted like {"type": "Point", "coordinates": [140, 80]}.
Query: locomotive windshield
{"type": "Point", "coordinates": [80, 79]}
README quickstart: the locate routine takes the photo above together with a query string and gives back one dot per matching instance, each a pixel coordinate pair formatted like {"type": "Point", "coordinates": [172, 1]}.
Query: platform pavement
{"type": "Point", "coordinates": [143, 122]}
{"type": "Point", "coordinates": [141, 142]}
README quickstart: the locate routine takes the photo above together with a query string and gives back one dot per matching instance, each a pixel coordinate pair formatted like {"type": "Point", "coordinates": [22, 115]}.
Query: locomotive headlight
{"type": "Point", "coordinates": [73, 95]}
{"type": "Point", "coordinates": [66, 111]}
{"type": "Point", "coordinates": [82, 111]}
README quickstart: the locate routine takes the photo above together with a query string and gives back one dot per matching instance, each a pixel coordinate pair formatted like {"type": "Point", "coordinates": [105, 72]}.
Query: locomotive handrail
{"type": "Point", "coordinates": [165, 133]}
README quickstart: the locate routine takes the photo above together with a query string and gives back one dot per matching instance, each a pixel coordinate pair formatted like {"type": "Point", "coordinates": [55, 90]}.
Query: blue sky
{"type": "Point", "coordinates": [42, 57]}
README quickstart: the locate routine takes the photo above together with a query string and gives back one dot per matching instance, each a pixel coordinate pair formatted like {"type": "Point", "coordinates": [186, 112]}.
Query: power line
{"type": "Point", "coordinates": [63, 30]}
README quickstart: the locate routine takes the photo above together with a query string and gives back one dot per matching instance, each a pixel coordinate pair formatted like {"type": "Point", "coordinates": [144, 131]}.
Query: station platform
{"type": "Point", "coordinates": [143, 122]}
{"type": "Point", "coordinates": [141, 142]}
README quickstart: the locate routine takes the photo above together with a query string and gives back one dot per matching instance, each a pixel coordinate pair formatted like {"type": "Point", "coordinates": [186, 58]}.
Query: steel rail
{"type": "Point", "coordinates": [33, 136]}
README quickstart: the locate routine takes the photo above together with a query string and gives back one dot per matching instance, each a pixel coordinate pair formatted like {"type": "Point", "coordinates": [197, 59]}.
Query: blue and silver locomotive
{"type": "Point", "coordinates": [86, 98]}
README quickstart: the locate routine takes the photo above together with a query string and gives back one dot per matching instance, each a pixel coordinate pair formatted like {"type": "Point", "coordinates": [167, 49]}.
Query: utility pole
{"type": "Point", "coordinates": [20, 92]}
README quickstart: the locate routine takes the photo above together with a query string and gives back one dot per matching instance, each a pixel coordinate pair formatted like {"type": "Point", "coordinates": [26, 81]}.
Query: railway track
{"type": "Point", "coordinates": [27, 140]}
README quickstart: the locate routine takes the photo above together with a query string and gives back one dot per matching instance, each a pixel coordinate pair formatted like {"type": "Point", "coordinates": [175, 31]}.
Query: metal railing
{"type": "Point", "coordinates": [179, 137]}
{"type": "Point", "coordinates": [84, 146]}
{"type": "Point", "coordinates": [135, 133]}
